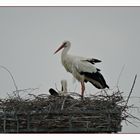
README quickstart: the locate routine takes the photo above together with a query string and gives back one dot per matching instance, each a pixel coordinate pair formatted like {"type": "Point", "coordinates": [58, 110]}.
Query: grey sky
{"type": "Point", "coordinates": [30, 35]}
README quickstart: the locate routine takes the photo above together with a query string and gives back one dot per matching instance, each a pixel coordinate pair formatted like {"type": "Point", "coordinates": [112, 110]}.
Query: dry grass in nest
{"type": "Point", "coordinates": [100, 113]}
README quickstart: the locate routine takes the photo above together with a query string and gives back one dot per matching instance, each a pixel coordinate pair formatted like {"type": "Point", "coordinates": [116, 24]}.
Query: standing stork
{"type": "Point", "coordinates": [82, 69]}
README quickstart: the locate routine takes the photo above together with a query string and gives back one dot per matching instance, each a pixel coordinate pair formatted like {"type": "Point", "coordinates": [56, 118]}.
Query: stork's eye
{"type": "Point", "coordinates": [65, 43]}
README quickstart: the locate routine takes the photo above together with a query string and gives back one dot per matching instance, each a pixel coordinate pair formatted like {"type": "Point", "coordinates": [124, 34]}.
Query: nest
{"type": "Point", "coordinates": [100, 113]}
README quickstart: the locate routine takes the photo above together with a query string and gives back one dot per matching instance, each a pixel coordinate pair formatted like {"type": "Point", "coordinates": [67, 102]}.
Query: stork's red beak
{"type": "Point", "coordinates": [62, 46]}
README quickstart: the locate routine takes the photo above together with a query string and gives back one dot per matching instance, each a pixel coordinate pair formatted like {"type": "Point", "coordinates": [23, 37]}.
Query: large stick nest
{"type": "Point", "coordinates": [100, 113]}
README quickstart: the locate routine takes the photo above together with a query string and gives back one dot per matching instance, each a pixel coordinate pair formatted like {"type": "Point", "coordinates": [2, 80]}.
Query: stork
{"type": "Point", "coordinates": [81, 68]}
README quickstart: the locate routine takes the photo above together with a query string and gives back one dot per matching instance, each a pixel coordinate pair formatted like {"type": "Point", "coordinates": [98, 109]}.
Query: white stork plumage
{"type": "Point", "coordinates": [82, 69]}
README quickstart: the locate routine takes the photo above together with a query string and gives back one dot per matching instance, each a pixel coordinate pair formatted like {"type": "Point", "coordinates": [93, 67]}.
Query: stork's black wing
{"type": "Point", "coordinates": [92, 60]}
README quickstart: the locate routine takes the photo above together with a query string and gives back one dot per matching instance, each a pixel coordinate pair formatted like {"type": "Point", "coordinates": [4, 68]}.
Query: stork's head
{"type": "Point", "coordinates": [65, 44]}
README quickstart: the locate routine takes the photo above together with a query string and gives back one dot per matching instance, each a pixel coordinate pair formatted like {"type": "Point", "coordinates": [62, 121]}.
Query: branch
{"type": "Point", "coordinates": [120, 75]}
{"type": "Point", "coordinates": [131, 89]}
{"type": "Point", "coordinates": [131, 123]}
{"type": "Point", "coordinates": [15, 85]}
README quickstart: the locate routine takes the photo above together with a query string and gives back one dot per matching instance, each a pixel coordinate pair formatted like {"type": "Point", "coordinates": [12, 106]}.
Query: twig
{"type": "Point", "coordinates": [131, 89]}
{"type": "Point", "coordinates": [132, 123]}
{"type": "Point", "coordinates": [120, 75]}
{"type": "Point", "coordinates": [27, 89]}
{"type": "Point", "coordinates": [74, 94]}
{"type": "Point", "coordinates": [63, 103]}
{"type": "Point", "coordinates": [133, 116]}
{"type": "Point", "coordinates": [17, 122]}
{"type": "Point", "coordinates": [4, 122]}
{"type": "Point", "coordinates": [15, 85]}
{"type": "Point", "coordinates": [28, 121]}
{"type": "Point", "coordinates": [35, 96]}
{"type": "Point", "coordinates": [14, 82]}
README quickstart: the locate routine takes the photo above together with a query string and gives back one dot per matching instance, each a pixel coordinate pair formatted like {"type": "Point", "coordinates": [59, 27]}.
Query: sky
{"type": "Point", "coordinates": [30, 35]}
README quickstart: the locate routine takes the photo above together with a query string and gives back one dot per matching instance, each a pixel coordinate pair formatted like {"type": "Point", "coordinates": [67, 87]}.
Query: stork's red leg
{"type": "Point", "coordinates": [82, 89]}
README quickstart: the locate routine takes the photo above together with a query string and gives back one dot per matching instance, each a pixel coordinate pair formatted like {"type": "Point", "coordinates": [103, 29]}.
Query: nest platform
{"type": "Point", "coordinates": [63, 114]}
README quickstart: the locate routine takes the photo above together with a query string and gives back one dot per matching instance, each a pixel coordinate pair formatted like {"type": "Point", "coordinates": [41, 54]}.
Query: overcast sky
{"type": "Point", "coordinates": [30, 35]}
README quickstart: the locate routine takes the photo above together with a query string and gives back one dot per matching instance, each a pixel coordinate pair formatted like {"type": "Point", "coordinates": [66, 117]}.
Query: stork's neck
{"type": "Point", "coordinates": [65, 51]}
